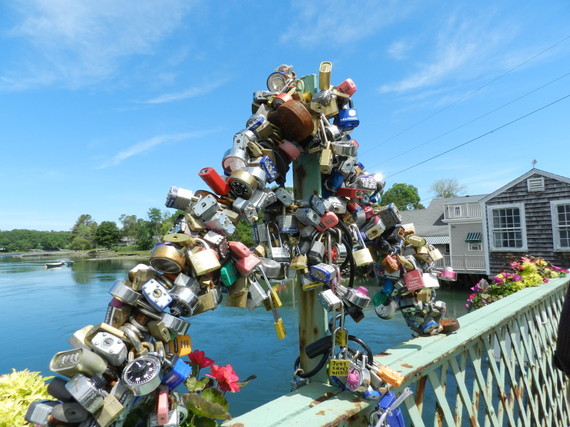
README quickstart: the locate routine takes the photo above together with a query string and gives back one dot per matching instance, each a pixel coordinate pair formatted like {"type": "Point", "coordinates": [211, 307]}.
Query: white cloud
{"type": "Point", "coordinates": [461, 48]}
{"type": "Point", "coordinates": [193, 92]}
{"type": "Point", "coordinates": [340, 22]}
{"type": "Point", "coordinates": [76, 43]}
{"type": "Point", "coordinates": [148, 144]}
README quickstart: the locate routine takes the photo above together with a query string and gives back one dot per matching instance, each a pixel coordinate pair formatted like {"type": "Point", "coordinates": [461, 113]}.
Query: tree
{"type": "Point", "coordinates": [83, 233]}
{"type": "Point", "coordinates": [404, 196]}
{"type": "Point", "coordinates": [107, 234]}
{"type": "Point", "coordinates": [446, 188]}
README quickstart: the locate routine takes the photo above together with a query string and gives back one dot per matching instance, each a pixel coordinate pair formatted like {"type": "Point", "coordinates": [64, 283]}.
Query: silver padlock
{"type": "Point", "coordinates": [124, 293]}
{"type": "Point", "coordinates": [184, 301]}
{"type": "Point", "coordinates": [220, 223]}
{"type": "Point", "coordinates": [277, 250]}
{"type": "Point", "coordinates": [156, 294]}
{"type": "Point", "coordinates": [242, 138]}
{"type": "Point", "coordinates": [205, 208]}
{"type": "Point", "coordinates": [316, 252]}
{"type": "Point", "coordinates": [307, 216]}
{"type": "Point", "coordinates": [110, 347]}
{"type": "Point", "coordinates": [256, 294]}
{"type": "Point", "coordinates": [85, 391]}
{"type": "Point", "coordinates": [335, 204]}
{"type": "Point", "coordinates": [39, 411]}
{"type": "Point", "coordinates": [179, 198]}
{"type": "Point", "coordinates": [329, 300]}
{"type": "Point", "coordinates": [284, 196]}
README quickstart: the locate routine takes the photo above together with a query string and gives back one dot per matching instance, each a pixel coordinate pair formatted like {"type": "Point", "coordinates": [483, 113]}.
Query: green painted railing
{"type": "Point", "coordinates": [496, 370]}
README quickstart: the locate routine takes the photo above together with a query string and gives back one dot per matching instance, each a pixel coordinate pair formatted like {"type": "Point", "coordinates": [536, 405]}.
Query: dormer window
{"type": "Point", "coordinates": [535, 185]}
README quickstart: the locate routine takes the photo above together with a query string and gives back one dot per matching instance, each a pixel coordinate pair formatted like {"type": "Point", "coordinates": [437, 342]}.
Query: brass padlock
{"type": "Point", "coordinates": [158, 330]}
{"type": "Point", "coordinates": [360, 253]}
{"type": "Point", "coordinates": [205, 260]}
{"type": "Point", "coordinates": [207, 301]}
{"type": "Point", "coordinates": [237, 293]}
{"type": "Point", "coordinates": [299, 262]}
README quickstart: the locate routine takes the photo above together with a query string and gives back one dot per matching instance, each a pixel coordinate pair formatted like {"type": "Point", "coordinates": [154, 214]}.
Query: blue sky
{"type": "Point", "coordinates": [104, 104]}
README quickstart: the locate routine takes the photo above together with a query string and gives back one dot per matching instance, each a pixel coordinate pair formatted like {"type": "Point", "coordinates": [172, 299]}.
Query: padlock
{"type": "Point", "coordinates": [177, 373]}
{"type": "Point", "coordinates": [290, 148]}
{"type": "Point", "coordinates": [347, 119]}
{"type": "Point", "coordinates": [277, 250]}
{"type": "Point", "coordinates": [246, 210]}
{"type": "Point", "coordinates": [77, 361]}
{"type": "Point", "coordinates": [166, 258]}
{"type": "Point", "coordinates": [274, 269]}
{"type": "Point", "coordinates": [269, 168]}
{"type": "Point", "coordinates": [277, 320]}
{"type": "Point", "coordinates": [110, 347]}
{"type": "Point", "coordinates": [39, 411]}
{"type": "Point", "coordinates": [180, 345]}
{"type": "Point", "coordinates": [358, 378]}
{"type": "Point", "coordinates": [205, 208]}
{"type": "Point", "coordinates": [299, 262]}
{"type": "Point", "coordinates": [350, 193]}
{"type": "Point", "coordinates": [208, 301]}
{"type": "Point", "coordinates": [430, 281]}
{"type": "Point", "coordinates": [220, 223]}
{"type": "Point", "coordinates": [69, 412]}
{"type": "Point", "coordinates": [373, 228]}
{"type": "Point", "coordinates": [156, 294]}
{"type": "Point", "coordinates": [241, 139]}
{"type": "Point", "coordinates": [329, 300]}
{"type": "Point", "coordinates": [322, 272]}
{"type": "Point", "coordinates": [124, 293]}
{"type": "Point", "coordinates": [234, 159]}
{"type": "Point", "coordinates": [335, 204]}
{"type": "Point", "coordinates": [214, 181]}
{"type": "Point", "coordinates": [203, 261]}
{"type": "Point", "coordinates": [284, 196]}
{"type": "Point", "coordinates": [347, 87]}
{"type": "Point", "coordinates": [347, 167]}
{"type": "Point", "coordinates": [179, 198]}
{"type": "Point", "coordinates": [242, 183]}
{"type": "Point", "coordinates": [184, 300]}
{"type": "Point", "coordinates": [386, 310]}
{"type": "Point", "coordinates": [260, 233]}
{"type": "Point", "coordinates": [228, 274]}
{"type": "Point", "coordinates": [325, 69]}
{"type": "Point", "coordinates": [256, 294]}
{"type": "Point", "coordinates": [316, 252]}
{"type": "Point", "coordinates": [217, 241]}
{"type": "Point", "coordinates": [238, 249]}
{"type": "Point", "coordinates": [287, 224]}
{"type": "Point", "coordinates": [111, 409]}
{"type": "Point", "coordinates": [326, 159]}
{"type": "Point", "coordinates": [414, 240]}
{"type": "Point", "coordinates": [307, 216]}
{"type": "Point", "coordinates": [328, 220]}
{"type": "Point", "coordinates": [158, 330]}
{"type": "Point", "coordinates": [246, 265]}
{"type": "Point", "coordinates": [360, 253]}
{"type": "Point", "coordinates": [237, 293]}
{"type": "Point", "coordinates": [324, 102]}
{"type": "Point", "coordinates": [390, 215]}
{"type": "Point", "coordinates": [357, 296]}
{"type": "Point", "coordinates": [273, 299]}
{"type": "Point", "coordinates": [390, 263]}
{"type": "Point", "coordinates": [194, 223]}
{"type": "Point", "coordinates": [117, 313]}
{"type": "Point", "coordinates": [344, 148]}
{"type": "Point", "coordinates": [414, 280]}
{"type": "Point", "coordinates": [86, 392]}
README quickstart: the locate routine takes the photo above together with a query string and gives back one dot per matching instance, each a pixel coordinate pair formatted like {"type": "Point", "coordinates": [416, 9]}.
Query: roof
{"type": "Point", "coordinates": [464, 199]}
{"type": "Point", "coordinates": [428, 221]}
{"type": "Point", "coordinates": [522, 178]}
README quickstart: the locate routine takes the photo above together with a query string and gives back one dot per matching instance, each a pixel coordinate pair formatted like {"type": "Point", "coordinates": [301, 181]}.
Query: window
{"type": "Point", "coordinates": [560, 210]}
{"type": "Point", "coordinates": [474, 246]}
{"type": "Point", "coordinates": [507, 227]}
{"type": "Point", "coordinates": [457, 210]}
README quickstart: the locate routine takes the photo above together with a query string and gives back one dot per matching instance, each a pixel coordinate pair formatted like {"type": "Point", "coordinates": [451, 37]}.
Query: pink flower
{"type": "Point", "coordinates": [198, 357]}
{"type": "Point", "coordinates": [226, 377]}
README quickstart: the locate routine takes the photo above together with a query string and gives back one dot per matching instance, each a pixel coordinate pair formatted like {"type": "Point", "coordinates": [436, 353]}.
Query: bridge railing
{"type": "Point", "coordinates": [496, 370]}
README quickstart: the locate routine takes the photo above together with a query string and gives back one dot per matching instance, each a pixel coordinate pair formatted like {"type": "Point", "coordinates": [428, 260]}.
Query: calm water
{"type": "Point", "coordinates": [40, 309]}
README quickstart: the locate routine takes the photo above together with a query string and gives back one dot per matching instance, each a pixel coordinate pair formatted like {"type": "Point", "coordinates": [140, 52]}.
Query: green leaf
{"type": "Point", "coordinates": [245, 382]}
{"type": "Point", "coordinates": [204, 422]}
{"type": "Point", "coordinates": [215, 396]}
{"type": "Point", "coordinates": [198, 385]}
{"type": "Point", "coordinates": [202, 407]}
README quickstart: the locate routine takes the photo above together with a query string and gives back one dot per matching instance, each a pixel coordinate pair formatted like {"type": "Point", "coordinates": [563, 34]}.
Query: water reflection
{"type": "Point", "coordinates": [46, 306]}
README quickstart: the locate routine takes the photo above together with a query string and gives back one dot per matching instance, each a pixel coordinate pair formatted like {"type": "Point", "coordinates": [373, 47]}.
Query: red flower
{"type": "Point", "coordinates": [226, 377]}
{"type": "Point", "coordinates": [198, 357]}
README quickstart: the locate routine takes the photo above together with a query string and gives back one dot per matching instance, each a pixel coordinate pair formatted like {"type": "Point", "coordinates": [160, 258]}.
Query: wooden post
{"type": "Point", "coordinates": [312, 315]}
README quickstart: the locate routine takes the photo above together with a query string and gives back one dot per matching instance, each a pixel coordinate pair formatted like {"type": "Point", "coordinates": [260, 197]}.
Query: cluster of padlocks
{"type": "Point", "coordinates": [134, 356]}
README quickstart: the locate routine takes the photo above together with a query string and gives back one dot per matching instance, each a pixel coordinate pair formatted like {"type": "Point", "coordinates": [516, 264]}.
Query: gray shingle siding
{"type": "Point", "coordinates": [538, 221]}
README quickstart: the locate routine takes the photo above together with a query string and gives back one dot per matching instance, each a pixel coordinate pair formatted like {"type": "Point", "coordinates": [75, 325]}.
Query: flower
{"type": "Point", "coordinates": [226, 377]}
{"type": "Point", "coordinates": [199, 358]}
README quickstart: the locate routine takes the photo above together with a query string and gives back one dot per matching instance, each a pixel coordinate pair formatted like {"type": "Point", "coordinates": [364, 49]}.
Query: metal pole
{"type": "Point", "coordinates": [312, 316]}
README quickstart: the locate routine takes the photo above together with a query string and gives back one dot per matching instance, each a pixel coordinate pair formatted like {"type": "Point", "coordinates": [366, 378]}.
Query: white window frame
{"type": "Point", "coordinates": [490, 210]}
{"type": "Point", "coordinates": [457, 208]}
{"type": "Point", "coordinates": [556, 226]}
{"type": "Point", "coordinates": [475, 246]}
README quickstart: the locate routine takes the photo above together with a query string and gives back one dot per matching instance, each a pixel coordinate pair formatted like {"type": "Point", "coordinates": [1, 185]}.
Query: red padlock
{"type": "Point", "coordinates": [368, 211]}
{"type": "Point", "coordinates": [348, 87]}
{"type": "Point", "coordinates": [239, 249]}
{"type": "Point", "coordinates": [351, 193]}
{"type": "Point", "coordinates": [414, 280]}
{"type": "Point", "coordinates": [214, 181]}
{"type": "Point", "coordinates": [290, 148]}
{"type": "Point", "coordinates": [246, 265]}
{"type": "Point", "coordinates": [328, 220]}
{"type": "Point", "coordinates": [162, 406]}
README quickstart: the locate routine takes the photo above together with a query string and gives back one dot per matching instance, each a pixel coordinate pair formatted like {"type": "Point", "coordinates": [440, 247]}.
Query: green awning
{"type": "Point", "coordinates": [473, 238]}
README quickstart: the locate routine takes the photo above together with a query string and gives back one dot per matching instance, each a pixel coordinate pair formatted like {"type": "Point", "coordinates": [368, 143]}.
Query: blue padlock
{"type": "Point", "coordinates": [347, 119]}
{"type": "Point", "coordinates": [179, 373]}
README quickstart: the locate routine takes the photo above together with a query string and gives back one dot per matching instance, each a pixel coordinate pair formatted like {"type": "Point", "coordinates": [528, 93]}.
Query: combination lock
{"type": "Point", "coordinates": [143, 375]}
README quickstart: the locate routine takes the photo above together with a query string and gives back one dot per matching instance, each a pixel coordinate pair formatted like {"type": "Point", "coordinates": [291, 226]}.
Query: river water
{"type": "Point", "coordinates": [40, 309]}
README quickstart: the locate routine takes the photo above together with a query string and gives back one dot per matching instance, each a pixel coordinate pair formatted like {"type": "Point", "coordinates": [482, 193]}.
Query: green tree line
{"type": "Point", "coordinates": [87, 234]}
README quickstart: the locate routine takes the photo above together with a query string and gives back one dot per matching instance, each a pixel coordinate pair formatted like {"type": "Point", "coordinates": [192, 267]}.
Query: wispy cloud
{"type": "Point", "coordinates": [74, 43]}
{"type": "Point", "coordinates": [193, 92]}
{"type": "Point", "coordinates": [461, 48]}
{"type": "Point", "coordinates": [340, 22]}
{"type": "Point", "coordinates": [148, 144]}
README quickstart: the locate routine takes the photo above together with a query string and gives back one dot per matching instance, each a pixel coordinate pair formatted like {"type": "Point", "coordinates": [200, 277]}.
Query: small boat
{"type": "Point", "coordinates": [54, 264]}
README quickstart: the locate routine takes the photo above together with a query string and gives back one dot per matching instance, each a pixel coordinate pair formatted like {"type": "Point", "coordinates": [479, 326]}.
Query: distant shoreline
{"type": "Point", "coordinates": [89, 255]}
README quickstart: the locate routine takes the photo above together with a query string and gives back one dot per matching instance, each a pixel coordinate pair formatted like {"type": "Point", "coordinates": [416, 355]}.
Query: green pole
{"type": "Point", "coordinates": [312, 316]}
